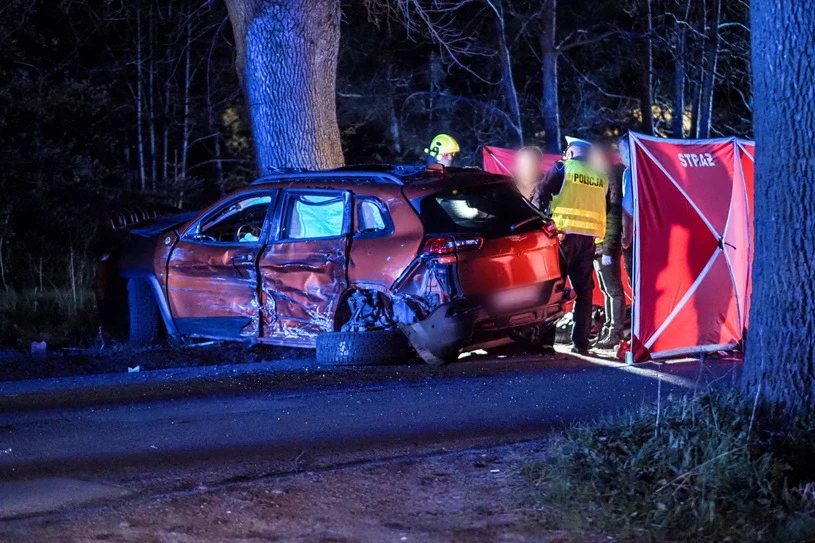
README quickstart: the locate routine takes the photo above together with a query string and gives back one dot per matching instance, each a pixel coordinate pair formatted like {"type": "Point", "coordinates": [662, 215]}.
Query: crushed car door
{"type": "Point", "coordinates": [303, 271]}
{"type": "Point", "coordinates": [212, 281]}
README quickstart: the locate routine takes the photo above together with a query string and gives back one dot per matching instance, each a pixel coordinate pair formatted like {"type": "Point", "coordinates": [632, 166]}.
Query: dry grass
{"type": "Point", "coordinates": [701, 474]}
{"type": "Point", "coordinates": [58, 316]}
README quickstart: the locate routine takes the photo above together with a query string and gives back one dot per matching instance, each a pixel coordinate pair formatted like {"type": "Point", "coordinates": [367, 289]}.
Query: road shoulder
{"type": "Point", "coordinates": [472, 495]}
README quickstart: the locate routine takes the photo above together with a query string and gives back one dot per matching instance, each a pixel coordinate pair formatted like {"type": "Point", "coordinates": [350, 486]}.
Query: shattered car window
{"type": "Point", "coordinates": [314, 216]}
{"type": "Point", "coordinates": [490, 210]}
{"type": "Point", "coordinates": [369, 217]}
{"type": "Point", "coordinates": [240, 222]}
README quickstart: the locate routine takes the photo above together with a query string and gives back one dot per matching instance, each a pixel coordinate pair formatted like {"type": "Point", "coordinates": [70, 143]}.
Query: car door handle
{"type": "Point", "coordinates": [242, 258]}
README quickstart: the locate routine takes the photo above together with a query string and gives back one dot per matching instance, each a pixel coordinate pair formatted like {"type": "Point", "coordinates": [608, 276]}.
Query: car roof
{"type": "Point", "coordinates": [414, 180]}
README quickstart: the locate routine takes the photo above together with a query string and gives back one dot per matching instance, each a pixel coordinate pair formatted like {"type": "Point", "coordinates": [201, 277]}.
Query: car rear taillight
{"type": "Point", "coordinates": [445, 248]}
{"type": "Point", "coordinates": [550, 229]}
{"type": "Point", "coordinates": [437, 246]}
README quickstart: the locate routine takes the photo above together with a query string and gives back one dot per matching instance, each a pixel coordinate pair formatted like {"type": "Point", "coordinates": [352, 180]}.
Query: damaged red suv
{"type": "Point", "coordinates": [365, 263]}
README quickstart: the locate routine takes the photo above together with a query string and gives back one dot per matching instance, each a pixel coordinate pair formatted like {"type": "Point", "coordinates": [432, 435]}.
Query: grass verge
{"type": "Point", "coordinates": [58, 316]}
{"type": "Point", "coordinates": [704, 469]}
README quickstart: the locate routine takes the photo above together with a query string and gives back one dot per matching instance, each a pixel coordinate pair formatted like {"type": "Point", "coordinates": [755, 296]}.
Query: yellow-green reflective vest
{"type": "Point", "coordinates": [580, 207]}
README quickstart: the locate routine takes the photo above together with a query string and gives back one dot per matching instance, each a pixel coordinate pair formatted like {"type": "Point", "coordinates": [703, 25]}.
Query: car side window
{"type": "Point", "coordinates": [311, 216]}
{"type": "Point", "coordinates": [371, 218]}
{"type": "Point", "coordinates": [239, 222]}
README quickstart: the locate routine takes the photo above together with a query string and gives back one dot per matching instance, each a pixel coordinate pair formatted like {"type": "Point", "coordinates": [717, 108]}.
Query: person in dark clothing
{"type": "Point", "coordinates": [609, 250]}
{"type": "Point", "coordinates": [574, 195]}
{"type": "Point", "coordinates": [526, 173]}
{"type": "Point", "coordinates": [628, 209]}
{"type": "Point", "coordinates": [526, 176]}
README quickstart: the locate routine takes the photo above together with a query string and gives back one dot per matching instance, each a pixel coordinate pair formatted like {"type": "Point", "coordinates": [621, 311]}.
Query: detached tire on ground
{"type": "Point", "coordinates": [371, 348]}
{"type": "Point", "coordinates": [143, 311]}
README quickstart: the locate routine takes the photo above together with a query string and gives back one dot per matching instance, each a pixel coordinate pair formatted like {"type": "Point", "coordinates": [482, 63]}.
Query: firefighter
{"type": "Point", "coordinates": [442, 150]}
{"type": "Point", "coordinates": [574, 195]}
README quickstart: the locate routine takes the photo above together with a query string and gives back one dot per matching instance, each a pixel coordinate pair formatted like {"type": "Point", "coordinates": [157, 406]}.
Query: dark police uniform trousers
{"type": "Point", "coordinates": [577, 263]}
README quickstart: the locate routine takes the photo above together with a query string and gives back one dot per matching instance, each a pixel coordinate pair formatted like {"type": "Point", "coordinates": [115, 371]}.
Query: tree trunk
{"type": "Point", "coordinates": [679, 83]}
{"type": "Point", "coordinates": [215, 131]}
{"type": "Point", "coordinates": [694, 110]}
{"type": "Point", "coordinates": [151, 104]}
{"type": "Point", "coordinates": [394, 125]}
{"type": "Point", "coordinates": [709, 61]}
{"type": "Point", "coordinates": [646, 82]}
{"type": "Point", "coordinates": [438, 87]}
{"type": "Point", "coordinates": [680, 74]}
{"type": "Point", "coordinates": [287, 62]}
{"type": "Point", "coordinates": [3, 265]}
{"type": "Point", "coordinates": [781, 345]}
{"type": "Point", "coordinates": [152, 120]}
{"type": "Point", "coordinates": [185, 139]}
{"type": "Point", "coordinates": [140, 101]}
{"type": "Point", "coordinates": [72, 275]}
{"type": "Point", "coordinates": [165, 167]}
{"type": "Point", "coordinates": [550, 108]}
{"type": "Point", "coordinates": [507, 80]}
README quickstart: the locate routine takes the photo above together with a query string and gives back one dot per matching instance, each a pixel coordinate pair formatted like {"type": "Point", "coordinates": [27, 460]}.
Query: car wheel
{"type": "Point", "coordinates": [144, 314]}
{"type": "Point", "coordinates": [369, 348]}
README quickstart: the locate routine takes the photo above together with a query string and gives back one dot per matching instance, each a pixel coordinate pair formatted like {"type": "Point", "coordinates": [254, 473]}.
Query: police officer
{"type": "Point", "coordinates": [574, 195]}
{"type": "Point", "coordinates": [442, 150]}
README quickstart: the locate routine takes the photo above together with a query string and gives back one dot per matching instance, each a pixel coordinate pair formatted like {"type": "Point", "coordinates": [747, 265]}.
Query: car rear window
{"type": "Point", "coordinates": [489, 210]}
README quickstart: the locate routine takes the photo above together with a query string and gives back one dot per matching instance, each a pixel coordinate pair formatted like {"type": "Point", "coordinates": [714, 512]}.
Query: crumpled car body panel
{"type": "Point", "coordinates": [376, 262]}
{"type": "Point", "coordinates": [301, 283]}
{"type": "Point", "coordinates": [212, 290]}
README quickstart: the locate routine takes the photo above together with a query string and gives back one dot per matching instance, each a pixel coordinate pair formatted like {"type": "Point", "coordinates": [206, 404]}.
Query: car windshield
{"type": "Point", "coordinates": [489, 210]}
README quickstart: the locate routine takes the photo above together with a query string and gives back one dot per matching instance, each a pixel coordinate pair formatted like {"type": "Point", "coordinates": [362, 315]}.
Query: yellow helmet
{"type": "Point", "coordinates": [442, 145]}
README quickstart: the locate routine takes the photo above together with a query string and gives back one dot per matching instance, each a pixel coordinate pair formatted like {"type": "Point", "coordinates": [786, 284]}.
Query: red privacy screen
{"type": "Point", "coordinates": [502, 161]}
{"type": "Point", "coordinates": [693, 244]}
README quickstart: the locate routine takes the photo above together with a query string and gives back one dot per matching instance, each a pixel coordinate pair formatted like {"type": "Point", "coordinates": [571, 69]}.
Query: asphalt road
{"type": "Point", "coordinates": [494, 401]}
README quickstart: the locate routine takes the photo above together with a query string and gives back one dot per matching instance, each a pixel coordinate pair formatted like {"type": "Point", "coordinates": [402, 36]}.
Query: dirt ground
{"type": "Point", "coordinates": [472, 496]}
{"type": "Point", "coordinates": [295, 364]}
{"type": "Point", "coordinates": [17, 365]}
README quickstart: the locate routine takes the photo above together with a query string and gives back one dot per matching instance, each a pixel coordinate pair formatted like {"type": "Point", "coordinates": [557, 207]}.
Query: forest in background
{"type": "Point", "coordinates": [106, 104]}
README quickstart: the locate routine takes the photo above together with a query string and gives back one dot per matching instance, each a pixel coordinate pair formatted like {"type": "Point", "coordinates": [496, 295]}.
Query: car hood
{"type": "Point", "coordinates": [161, 224]}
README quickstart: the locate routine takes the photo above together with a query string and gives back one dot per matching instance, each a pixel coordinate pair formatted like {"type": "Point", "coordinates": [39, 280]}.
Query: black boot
{"type": "Point", "coordinates": [611, 341]}
{"type": "Point", "coordinates": [601, 337]}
